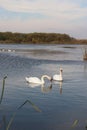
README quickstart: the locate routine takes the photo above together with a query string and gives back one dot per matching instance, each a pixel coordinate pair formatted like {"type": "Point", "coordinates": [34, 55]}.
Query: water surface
{"type": "Point", "coordinates": [61, 104]}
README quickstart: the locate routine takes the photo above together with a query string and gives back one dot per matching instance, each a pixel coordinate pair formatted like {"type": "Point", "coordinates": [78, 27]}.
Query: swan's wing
{"type": "Point", "coordinates": [56, 77]}
{"type": "Point", "coordinates": [27, 79]}
{"type": "Point", "coordinates": [33, 80]}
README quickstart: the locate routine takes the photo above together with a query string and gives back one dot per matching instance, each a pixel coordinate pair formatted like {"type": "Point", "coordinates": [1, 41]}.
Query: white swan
{"type": "Point", "coordinates": [58, 77]}
{"type": "Point", "coordinates": [36, 80]}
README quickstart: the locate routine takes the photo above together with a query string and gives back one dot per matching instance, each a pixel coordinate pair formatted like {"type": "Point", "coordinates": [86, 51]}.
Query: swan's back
{"type": "Point", "coordinates": [33, 80]}
{"type": "Point", "coordinates": [36, 80]}
{"type": "Point", "coordinates": [56, 77]}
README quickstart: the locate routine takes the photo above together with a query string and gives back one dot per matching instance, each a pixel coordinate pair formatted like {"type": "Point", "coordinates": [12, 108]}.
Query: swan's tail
{"type": "Point", "coordinates": [26, 79]}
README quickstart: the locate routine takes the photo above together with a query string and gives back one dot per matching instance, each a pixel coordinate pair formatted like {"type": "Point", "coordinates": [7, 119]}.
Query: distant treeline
{"type": "Point", "coordinates": [9, 37]}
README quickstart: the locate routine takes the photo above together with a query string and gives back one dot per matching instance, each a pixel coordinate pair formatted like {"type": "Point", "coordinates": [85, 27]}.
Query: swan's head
{"type": "Point", "coordinates": [51, 79]}
{"type": "Point", "coordinates": [61, 70]}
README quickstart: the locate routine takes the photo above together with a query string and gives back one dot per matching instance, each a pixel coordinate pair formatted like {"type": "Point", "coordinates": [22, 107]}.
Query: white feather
{"type": "Point", "coordinates": [36, 80]}
{"type": "Point", "coordinates": [58, 77]}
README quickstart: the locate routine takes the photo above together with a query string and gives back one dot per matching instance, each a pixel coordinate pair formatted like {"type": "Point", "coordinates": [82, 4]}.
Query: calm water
{"type": "Point", "coordinates": [62, 104]}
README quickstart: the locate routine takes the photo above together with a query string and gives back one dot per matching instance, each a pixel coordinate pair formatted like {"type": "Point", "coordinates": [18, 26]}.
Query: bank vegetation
{"type": "Point", "coordinates": [54, 38]}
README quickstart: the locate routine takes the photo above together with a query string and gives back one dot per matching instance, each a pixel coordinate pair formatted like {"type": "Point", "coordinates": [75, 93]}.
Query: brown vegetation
{"type": "Point", "coordinates": [53, 38]}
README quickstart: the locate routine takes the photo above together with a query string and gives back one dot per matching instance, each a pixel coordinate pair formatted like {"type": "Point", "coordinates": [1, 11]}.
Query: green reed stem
{"type": "Point", "coordinates": [3, 86]}
{"type": "Point", "coordinates": [11, 120]}
{"type": "Point", "coordinates": [14, 114]}
{"type": "Point", "coordinates": [4, 121]}
{"type": "Point", "coordinates": [33, 105]}
{"type": "Point", "coordinates": [74, 123]}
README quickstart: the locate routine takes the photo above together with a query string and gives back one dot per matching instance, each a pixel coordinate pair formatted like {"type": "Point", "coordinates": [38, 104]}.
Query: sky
{"type": "Point", "coordinates": [49, 16]}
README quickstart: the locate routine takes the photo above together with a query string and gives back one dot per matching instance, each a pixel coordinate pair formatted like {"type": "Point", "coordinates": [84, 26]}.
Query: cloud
{"type": "Point", "coordinates": [51, 8]}
{"type": "Point", "coordinates": [44, 15]}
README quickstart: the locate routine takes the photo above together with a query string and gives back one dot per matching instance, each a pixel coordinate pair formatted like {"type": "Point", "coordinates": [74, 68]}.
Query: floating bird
{"type": "Point", "coordinates": [58, 77]}
{"type": "Point", "coordinates": [36, 80]}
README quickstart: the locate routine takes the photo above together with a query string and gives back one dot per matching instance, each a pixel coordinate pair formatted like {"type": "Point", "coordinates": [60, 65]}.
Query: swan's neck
{"type": "Point", "coordinates": [60, 73]}
{"type": "Point", "coordinates": [45, 76]}
{"type": "Point", "coordinates": [61, 78]}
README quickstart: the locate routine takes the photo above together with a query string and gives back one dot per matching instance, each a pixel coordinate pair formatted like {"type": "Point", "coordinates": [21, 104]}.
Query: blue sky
{"type": "Point", "coordinates": [59, 16]}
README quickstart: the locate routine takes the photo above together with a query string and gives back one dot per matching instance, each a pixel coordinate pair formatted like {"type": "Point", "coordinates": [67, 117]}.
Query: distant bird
{"type": "Point", "coordinates": [58, 77]}
{"type": "Point", "coordinates": [36, 80]}
{"type": "Point", "coordinates": [9, 50]}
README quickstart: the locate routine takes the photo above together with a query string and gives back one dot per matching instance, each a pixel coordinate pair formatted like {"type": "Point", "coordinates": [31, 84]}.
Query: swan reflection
{"type": "Point", "coordinates": [60, 85]}
{"type": "Point", "coordinates": [85, 66]}
{"type": "Point", "coordinates": [44, 88]}
{"type": "Point", "coordinates": [33, 85]}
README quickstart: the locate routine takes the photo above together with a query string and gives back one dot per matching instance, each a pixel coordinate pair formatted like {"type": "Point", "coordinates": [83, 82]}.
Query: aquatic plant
{"type": "Point", "coordinates": [14, 114]}
{"type": "Point", "coordinates": [7, 125]}
{"type": "Point", "coordinates": [75, 123]}
{"type": "Point", "coordinates": [85, 55]}
{"type": "Point", "coordinates": [3, 122]}
{"type": "Point", "coordinates": [3, 86]}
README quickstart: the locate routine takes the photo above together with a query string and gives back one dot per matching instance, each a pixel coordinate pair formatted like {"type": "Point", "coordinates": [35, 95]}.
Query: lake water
{"type": "Point", "coordinates": [63, 106]}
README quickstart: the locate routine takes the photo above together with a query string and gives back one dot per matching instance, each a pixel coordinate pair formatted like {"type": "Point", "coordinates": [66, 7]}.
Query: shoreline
{"type": "Point", "coordinates": [49, 43]}
{"type": "Point", "coordinates": [38, 38]}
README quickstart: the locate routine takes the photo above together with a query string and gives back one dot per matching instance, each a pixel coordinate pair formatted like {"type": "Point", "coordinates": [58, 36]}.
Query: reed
{"type": "Point", "coordinates": [3, 86]}
{"type": "Point", "coordinates": [85, 55]}
{"type": "Point", "coordinates": [74, 123]}
{"type": "Point", "coordinates": [8, 125]}
{"type": "Point", "coordinates": [14, 114]}
{"type": "Point", "coordinates": [31, 103]}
